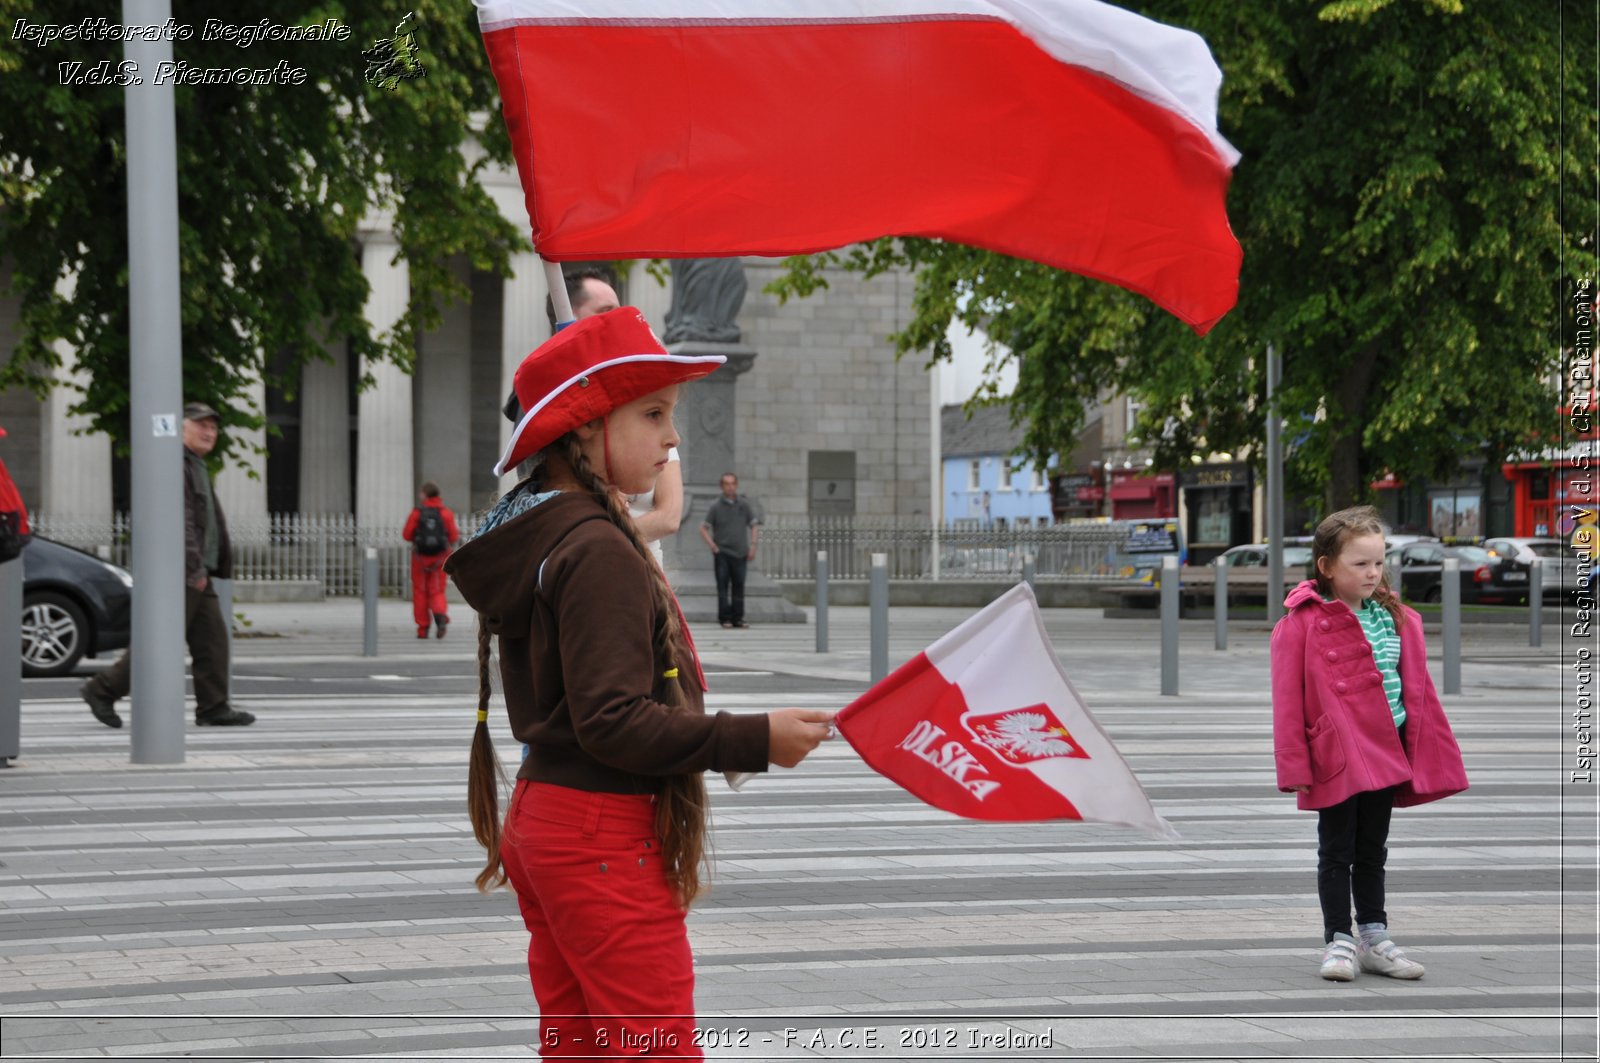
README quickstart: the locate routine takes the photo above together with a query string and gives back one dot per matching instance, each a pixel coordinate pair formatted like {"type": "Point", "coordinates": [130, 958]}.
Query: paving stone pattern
{"type": "Point", "coordinates": [302, 888]}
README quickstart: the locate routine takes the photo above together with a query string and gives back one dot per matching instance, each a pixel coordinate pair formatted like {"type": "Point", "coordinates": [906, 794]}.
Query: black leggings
{"type": "Point", "coordinates": [1352, 839]}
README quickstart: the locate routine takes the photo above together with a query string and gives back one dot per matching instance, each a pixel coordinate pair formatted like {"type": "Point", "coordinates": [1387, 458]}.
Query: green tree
{"type": "Point", "coordinates": [273, 184]}
{"type": "Point", "coordinates": [1400, 205]}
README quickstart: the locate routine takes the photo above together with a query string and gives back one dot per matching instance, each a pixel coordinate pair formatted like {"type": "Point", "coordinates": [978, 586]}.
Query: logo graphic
{"type": "Point", "coordinates": [1022, 736]}
{"type": "Point", "coordinates": [392, 61]}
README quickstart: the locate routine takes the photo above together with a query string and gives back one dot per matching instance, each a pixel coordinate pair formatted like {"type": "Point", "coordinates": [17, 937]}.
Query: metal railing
{"type": "Point", "coordinates": [328, 549]}
{"type": "Point", "coordinates": [789, 546]}
{"type": "Point", "coordinates": [282, 547]}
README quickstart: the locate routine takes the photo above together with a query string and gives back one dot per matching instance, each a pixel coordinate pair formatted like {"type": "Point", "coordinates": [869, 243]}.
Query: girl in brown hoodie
{"type": "Point", "coordinates": [604, 837]}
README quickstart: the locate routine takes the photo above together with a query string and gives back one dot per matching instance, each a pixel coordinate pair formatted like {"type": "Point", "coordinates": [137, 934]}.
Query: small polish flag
{"type": "Point", "coordinates": [985, 724]}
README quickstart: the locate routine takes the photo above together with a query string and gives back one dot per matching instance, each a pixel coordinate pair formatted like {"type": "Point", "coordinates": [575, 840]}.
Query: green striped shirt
{"type": "Point", "coordinates": [1378, 625]}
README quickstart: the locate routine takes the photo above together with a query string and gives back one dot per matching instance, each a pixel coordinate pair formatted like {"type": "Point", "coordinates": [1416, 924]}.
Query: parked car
{"type": "Point", "coordinates": [1296, 556]}
{"type": "Point", "coordinates": [1394, 541]}
{"type": "Point", "coordinates": [1485, 579]}
{"type": "Point", "coordinates": [73, 605]}
{"type": "Point", "coordinates": [1561, 562]}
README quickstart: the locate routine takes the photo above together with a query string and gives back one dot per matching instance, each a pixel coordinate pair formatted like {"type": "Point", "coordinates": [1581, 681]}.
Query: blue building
{"type": "Point", "coordinates": [984, 484]}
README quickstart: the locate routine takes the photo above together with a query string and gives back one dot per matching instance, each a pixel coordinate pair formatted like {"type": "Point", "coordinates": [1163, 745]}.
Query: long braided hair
{"type": "Point", "coordinates": [681, 805]}
{"type": "Point", "coordinates": [485, 778]}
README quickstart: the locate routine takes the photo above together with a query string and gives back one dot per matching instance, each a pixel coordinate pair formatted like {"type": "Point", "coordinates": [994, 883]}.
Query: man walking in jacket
{"type": "Point", "coordinates": [207, 556]}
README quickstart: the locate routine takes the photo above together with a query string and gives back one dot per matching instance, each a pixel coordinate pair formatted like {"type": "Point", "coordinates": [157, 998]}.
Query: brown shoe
{"type": "Point", "coordinates": [443, 622]}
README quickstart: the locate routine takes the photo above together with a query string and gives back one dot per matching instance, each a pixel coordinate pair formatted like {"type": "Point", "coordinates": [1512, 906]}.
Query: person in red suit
{"type": "Point", "coordinates": [431, 531]}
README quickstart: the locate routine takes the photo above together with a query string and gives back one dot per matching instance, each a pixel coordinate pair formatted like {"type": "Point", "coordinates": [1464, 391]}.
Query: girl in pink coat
{"type": "Point", "coordinates": [1357, 730]}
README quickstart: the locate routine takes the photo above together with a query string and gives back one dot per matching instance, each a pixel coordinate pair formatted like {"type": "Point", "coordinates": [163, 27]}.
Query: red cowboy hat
{"type": "Point", "coordinates": [587, 370]}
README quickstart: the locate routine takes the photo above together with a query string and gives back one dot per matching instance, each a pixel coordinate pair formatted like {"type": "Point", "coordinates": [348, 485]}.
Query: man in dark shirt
{"type": "Point", "coordinates": [207, 555]}
{"type": "Point", "coordinates": [731, 531]}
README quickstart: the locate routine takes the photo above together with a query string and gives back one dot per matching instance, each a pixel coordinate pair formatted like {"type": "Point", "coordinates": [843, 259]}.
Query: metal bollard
{"type": "Point", "coordinates": [822, 601]}
{"type": "Point", "coordinates": [1220, 606]}
{"type": "Point", "coordinates": [878, 599]}
{"type": "Point", "coordinates": [1451, 600]}
{"type": "Point", "coordinates": [369, 593]}
{"type": "Point", "coordinates": [1028, 569]}
{"type": "Point", "coordinates": [1169, 625]}
{"type": "Point", "coordinates": [1536, 602]}
{"type": "Point", "coordinates": [10, 661]}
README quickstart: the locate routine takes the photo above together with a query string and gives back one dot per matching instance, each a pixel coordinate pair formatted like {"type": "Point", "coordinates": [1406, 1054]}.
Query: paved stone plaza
{"type": "Point", "coordinates": [302, 888]}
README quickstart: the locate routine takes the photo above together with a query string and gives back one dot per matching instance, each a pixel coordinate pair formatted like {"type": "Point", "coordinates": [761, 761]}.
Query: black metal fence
{"type": "Point", "coordinates": [328, 549]}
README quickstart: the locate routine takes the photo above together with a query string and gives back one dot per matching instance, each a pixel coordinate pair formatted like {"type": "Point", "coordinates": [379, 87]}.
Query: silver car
{"type": "Point", "coordinates": [1296, 555]}
{"type": "Point", "coordinates": [1562, 565]}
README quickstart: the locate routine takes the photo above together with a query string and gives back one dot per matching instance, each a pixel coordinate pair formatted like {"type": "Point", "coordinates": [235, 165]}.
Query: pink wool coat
{"type": "Point", "coordinates": [1331, 725]}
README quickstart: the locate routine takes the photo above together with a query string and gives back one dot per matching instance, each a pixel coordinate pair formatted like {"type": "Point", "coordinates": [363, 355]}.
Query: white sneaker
{"type": "Point", "coordinates": [1339, 959]}
{"type": "Point", "coordinates": [1385, 957]}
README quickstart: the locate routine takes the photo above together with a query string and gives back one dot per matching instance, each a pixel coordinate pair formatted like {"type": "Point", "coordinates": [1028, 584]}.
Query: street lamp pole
{"type": "Point", "coordinates": [1274, 489]}
{"type": "Point", "coordinates": [155, 390]}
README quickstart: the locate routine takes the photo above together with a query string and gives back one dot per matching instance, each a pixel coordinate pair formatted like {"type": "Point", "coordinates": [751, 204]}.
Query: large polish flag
{"type": "Point", "coordinates": [1069, 132]}
{"type": "Point", "coordinates": [985, 724]}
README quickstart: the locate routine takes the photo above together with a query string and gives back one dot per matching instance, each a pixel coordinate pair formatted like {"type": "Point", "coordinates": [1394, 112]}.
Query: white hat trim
{"type": "Point", "coordinates": [528, 416]}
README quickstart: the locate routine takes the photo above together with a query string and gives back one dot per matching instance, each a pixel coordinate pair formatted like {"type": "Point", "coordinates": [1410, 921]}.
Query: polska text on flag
{"type": "Point", "coordinates": [984, 723]}
{"type": "Point", "coordinates": [1069, 132]}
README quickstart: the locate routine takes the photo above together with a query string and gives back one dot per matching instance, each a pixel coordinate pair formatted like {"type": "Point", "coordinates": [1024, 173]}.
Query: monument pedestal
{"type": "Point", "coordinates": [705, 420]}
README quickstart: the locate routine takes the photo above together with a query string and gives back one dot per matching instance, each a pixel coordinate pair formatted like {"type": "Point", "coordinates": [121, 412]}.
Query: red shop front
{"type": "Point", "coordinates": [1548, 492]}
{"type": "Point", "coordinates": [1136, 495]}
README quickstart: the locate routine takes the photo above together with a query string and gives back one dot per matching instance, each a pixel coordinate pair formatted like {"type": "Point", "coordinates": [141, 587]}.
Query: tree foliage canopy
{"type": "Point", "coordinates": [274, 184]}
{"type": "Point", "coordinates": [1414, 188]}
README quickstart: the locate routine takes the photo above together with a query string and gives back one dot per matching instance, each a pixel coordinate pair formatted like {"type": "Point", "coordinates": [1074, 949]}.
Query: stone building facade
{"type": "Point", "coordinates": [824, 402]}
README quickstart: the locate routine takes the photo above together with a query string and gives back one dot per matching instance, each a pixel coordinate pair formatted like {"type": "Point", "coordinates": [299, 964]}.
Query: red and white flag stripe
{"type": "Point", "coordinates": [1069, 132]}
{"type": "Point", "coordinates": [984, 723]}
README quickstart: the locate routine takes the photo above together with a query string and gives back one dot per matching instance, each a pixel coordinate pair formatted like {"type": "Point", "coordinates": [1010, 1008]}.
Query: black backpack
{"type": "Point", "coordinates": [430, 538]}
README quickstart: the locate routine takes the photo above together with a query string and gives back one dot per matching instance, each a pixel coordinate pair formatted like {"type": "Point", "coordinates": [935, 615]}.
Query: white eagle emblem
{"type": "Point", "coordinates": [1024, 735]}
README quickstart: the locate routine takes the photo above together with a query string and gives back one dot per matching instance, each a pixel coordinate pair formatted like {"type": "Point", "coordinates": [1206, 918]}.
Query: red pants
{"type": "Point", "coordinates": [427, 590]}
{"type": "Point", "coordinates": [609, 951]}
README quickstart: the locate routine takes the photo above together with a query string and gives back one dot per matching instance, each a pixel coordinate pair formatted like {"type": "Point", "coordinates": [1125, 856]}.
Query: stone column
{"type": "Point", "coordinates": [242, 498]}
{"type": "Point", "coordinates": [76, 469]}
{"type": "Point", "coordinates": [444, 404]}
{"type": "Point", "coordinates": [384, 491]}
{"type": "Point", "coordinates": [651, 297]}
{"type": "Point", "coordinates": [523, 326]}
{"type": "Point", "coordinates": [325, 433]}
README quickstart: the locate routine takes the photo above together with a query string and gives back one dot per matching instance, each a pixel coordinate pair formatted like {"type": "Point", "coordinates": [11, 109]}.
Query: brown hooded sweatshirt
{"type": "Point", "coordinates": [569, 599]}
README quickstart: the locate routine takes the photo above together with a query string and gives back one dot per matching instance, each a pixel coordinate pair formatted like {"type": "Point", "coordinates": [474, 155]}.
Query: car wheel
{"type": "Point", "coordinates": [1435, 594]}
{"type": "Point", "coordinates": [55, 634]}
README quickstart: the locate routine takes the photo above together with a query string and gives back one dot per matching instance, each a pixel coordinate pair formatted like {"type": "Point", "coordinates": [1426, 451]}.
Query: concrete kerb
{"type": "Point", "coordinates": [332, 629]}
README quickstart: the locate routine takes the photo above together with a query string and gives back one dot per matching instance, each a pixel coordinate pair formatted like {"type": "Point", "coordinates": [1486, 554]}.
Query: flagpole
{"type": "Point", "coordinates": [558, 292]}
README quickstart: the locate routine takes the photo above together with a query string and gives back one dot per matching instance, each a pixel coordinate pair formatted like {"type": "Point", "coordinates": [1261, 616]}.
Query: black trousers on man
{"type": "Point", "coordinates": [205, 630]}
{"type": "Point", "coordinates": [730, 587]}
